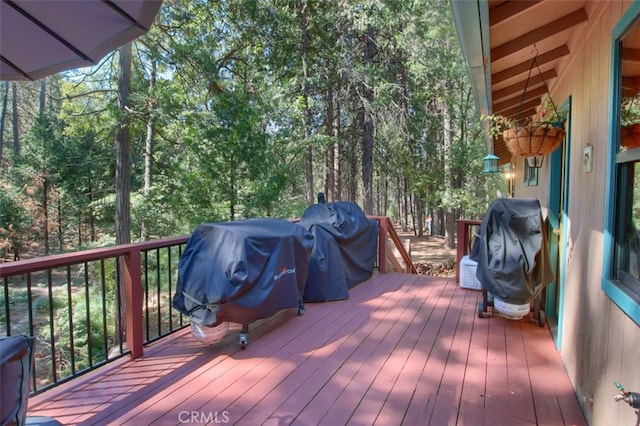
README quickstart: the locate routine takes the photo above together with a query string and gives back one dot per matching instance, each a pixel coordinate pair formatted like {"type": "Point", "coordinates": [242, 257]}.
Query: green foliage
{"type": "Point", "coordinates": [237, 96]}
{"type": "Point", "coordinates": [15, 215]}
{"type": "Point", "coordinates": [88, 333]}
{"type": "Point", "coordinates": [630, 111]}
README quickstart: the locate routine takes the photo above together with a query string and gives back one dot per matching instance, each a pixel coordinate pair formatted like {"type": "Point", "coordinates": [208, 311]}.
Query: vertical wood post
{"type": "Point", "coordinates": [462, 244]}
{"type": "Point", "coordinates": [133, 294]}
{"type": "Point", "coordinates": [382, 244]}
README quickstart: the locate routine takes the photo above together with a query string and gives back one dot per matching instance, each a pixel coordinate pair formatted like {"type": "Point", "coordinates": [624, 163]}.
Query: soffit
{"type": "Point", "coordinates": [519, 31]}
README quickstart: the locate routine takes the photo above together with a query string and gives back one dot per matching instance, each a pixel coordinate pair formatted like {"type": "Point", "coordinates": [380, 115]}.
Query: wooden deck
{"type": "Point", "coordinates": [404, 349]}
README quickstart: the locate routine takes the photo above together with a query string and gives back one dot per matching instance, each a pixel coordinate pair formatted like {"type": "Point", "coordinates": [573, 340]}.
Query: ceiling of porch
{"type": "Point", "coordinates": [519, 32]}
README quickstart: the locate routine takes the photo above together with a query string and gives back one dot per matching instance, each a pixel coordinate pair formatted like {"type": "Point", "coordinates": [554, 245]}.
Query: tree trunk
{"type": "Point", "coordinates": [397, 199]}
{"type": "Point", "coordinates": [60, 231]}
{"type": "Point", "coordinates": [439, 222]}
{"type": "Point", "coordinates": [233, 197]}
{"type": "Point", "coordinates": [148, 150]}
{"type": "Point", "coordinates": [449, 218]}
{"type": "Point", "coordinates": [123, 172]}
{"type": "Point", "coordinates": [405, 202]}
{"type": "Point", "coordinates": [15, 124]}
{"type": "Point", "coordinates": [92, 222]}
{"type": "Point", "coordinates": [123, 150]}
{"type": "Point", "coordinates": [337, 148]}
{"type": "Point", "coordinates": [304, 27]}
{"type": "Point", "coordinates": [352, 172]}
{"type": "Point", "coordinates": [43, 95]}
{"type": "Point", "coordinates": [367, 137]}
{"type": "Point", "coordinates": [385, 198]}
{"type": "Point", "coordinates": [80, 219]}
{"type": "Point", "coordinates": [420, 219]}
{"type": "Point", "coordinates": [45, 214]}
{"type": "Point", "coordinates": [329, 182]}
{"type": "Point", "coordinates": [45, 174]}
{"type": "Point", "coordinates": [3, 116]}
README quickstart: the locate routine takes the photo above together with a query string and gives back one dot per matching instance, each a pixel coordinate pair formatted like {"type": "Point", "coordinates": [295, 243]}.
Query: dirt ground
{"type": "Point", "coordinates": [429, 254]}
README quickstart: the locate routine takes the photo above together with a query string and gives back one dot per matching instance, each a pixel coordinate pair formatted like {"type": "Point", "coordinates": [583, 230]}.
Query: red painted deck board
{"type": "Point", "coordinates": [404, 349]}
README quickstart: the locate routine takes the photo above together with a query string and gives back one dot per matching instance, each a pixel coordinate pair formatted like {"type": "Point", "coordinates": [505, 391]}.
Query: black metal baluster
{"type": "Point", "coordinates": [158, 293]}
{"type": "Point", "coordinates": [71, 327]}
{"type": "Point", "coordinates": [34, 383]}
{"type": "Point", "coordinates": [87, 298]}
{"type": "Point", "coordinates": [119, 305]}
{"type": "Point", "coordinates": [105, 329]}
{"type": "Point", "coordinates": [169, 271]}
{"type": "Point", "coordinates": [52, 339]}
{"type": "Point", "coordinates": [146, 294]}
{"type": "Point", "coordinates": [7, 311]}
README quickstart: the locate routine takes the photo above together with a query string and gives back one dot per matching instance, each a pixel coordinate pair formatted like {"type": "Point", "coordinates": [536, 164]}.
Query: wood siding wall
{"type": "Point", "coordinates": [600, 344]}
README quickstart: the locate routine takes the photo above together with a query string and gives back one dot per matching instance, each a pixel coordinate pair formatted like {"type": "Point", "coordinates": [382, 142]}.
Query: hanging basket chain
{"type": "Point", "coordinates": [526, 85]}
{"type": "Point", "coordinates": [532, 139]}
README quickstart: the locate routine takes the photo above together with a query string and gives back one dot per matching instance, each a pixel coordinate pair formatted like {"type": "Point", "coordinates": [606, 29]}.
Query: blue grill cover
{"type": "Point", "coordinates": [512, 251]}
{"type": "Point", "coordinates": [344, 250]}
{"type": "Point", "coordinates": [242, 271]}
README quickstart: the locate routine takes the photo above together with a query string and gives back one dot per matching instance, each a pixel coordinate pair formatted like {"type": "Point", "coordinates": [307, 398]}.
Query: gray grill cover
{"type": "Point", "coordinates": [16, 361]}
{"type": "Point", "coordinates": [512, 251]}
{"type": "Point", "coordinates": [242, 271]}
{"type": "Point", "coordinates": [344, 249]}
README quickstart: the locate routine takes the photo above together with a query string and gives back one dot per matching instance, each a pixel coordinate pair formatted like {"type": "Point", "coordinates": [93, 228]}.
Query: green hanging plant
{"type": "Point", "coordinates": [630, 122]}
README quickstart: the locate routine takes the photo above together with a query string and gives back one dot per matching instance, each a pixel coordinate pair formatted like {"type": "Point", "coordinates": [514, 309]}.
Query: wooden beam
{"type": "Point", "coordinates": [523, 67]}
{"type": "Point", "coordinates": [509, 9]}
{"type": "Point", "coordinates": [509, 91]}
{"type": "Point", "coordinates": [521, 113]}
{"type": "Point", "coordinates": [630, 86]}
{"type": "Point", "coordinates": [536, 93]}
{"type": "Point", "coordinates": [539, 34]}
{"type": "Point", "coordinates": [630, 54]}
{"type": "Point", "coordinates": [500, 149]}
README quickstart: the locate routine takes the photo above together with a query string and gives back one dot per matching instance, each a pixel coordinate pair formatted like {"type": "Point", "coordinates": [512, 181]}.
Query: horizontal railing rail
{"type": "Point", "coordinates": [90, 307]}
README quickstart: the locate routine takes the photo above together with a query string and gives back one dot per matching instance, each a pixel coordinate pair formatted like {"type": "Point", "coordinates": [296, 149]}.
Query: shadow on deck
{"type": "Point", "coordinates": [404, 349]}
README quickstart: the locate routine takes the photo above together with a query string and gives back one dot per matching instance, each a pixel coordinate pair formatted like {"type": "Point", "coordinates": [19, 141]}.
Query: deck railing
{"type": "Point", "coordinates": [76, 307]}
{"type": "Point", "coordinates": [388, 240]}
{"type": "Point", "coordinates": [91, 307]}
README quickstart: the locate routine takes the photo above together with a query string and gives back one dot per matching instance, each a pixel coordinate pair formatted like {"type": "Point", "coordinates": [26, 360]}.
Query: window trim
{"type": "Point", "coordinates": [619, 293]}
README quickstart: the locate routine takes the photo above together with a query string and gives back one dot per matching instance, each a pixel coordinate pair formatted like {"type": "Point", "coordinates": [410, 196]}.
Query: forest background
{"type": "Point", "coordinates": [235, 109]}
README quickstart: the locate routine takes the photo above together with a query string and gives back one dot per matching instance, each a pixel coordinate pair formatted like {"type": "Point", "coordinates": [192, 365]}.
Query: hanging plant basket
{"type": "Point", "coordinates": [535, 136]}
{"type": "Point", "coordinates": [630, 136]}
{"type": "Point", "coordinates": [533, 139]}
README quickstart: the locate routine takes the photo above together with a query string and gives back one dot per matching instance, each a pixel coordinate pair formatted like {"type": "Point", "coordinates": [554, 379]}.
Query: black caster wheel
{"type": "Point", "coordinates": [480, 310]}
{"type": "Point", "coordinates": [244, 339]}
{"type": "Point", "coordinates": [542, 319]}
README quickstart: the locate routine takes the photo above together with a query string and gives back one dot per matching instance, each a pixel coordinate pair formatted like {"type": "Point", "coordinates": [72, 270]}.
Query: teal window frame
{"type": "Point", "coordinates": [618, 165]}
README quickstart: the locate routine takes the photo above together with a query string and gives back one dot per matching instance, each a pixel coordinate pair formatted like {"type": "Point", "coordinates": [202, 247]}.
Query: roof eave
{"type": "Point", "coordinates": [471, 19]}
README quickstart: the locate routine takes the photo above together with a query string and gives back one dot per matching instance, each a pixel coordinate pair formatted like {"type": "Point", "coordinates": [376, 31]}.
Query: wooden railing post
{"type": "Point", "coordinates": [462, 244]}
{"type": "Point", "coordinates": [133, 294]}
{"type": "Point", "coordinates": [382, 245]}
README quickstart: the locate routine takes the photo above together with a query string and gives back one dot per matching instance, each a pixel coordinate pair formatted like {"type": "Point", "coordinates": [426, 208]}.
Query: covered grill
{"type": "Point", "coordinates": [513, 257]}
{"type": "Point", "coordinates": [242, 271]}
{"type": "Point", "coordinates": [344, 249]}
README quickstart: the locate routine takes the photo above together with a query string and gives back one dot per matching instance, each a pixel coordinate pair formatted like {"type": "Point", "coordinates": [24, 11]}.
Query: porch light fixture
{"type": "Point", "coordinates": [535, 161]}
{"type": "Point", "coordinates": [490, 164]}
